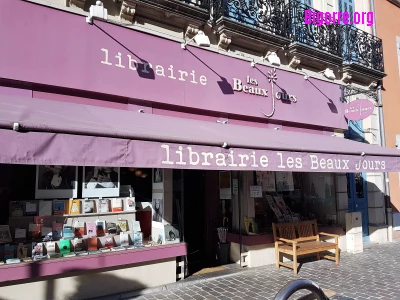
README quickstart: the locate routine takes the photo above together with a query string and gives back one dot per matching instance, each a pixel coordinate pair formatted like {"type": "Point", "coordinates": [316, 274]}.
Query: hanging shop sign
{"type": "Point", "coordinates": [359, 109]}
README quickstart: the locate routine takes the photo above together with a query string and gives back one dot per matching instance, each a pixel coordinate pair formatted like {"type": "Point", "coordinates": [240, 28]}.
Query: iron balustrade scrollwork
{"type": "Point", "coordinates": [268, 15]}
{"type": "Point", "coordinates": [324, 37]}
{"type": "Point", "coordinates": [362, 47]}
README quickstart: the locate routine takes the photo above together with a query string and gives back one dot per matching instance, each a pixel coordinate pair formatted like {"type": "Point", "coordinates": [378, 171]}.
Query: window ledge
{"type": "Point", "coordinates": [395, 2]}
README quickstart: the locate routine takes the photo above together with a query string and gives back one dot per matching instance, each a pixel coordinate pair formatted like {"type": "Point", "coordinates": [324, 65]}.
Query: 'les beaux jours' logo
{"type": "Point", "coordinates": [146, 68]}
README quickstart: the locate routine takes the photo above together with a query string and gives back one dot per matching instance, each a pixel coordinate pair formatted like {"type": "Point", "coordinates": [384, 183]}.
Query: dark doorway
{"type": "Point", "coordinates": [195, 219]}
{"type": "Point", "coordinates": [201, 215]}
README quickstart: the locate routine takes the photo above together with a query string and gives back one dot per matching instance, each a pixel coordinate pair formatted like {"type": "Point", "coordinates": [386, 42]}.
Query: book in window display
{"type": "Point", "coordinates": [59, 207]}
{"type": "Point", "coordinates": [109, 242]}
{"type": "Point", "coordinates": [124, 239]}
{"type": "Point", "coordinates": [37, 249]}
{"type": "Point", "coordinates": [65, 246]}
{"type": "Point", "coordinates": [47, 233]}
{"type": "Point", "coordinates": [9, 251]}
{"type": "Point", "coordinates": [30, 208]}
{"type": "Point", "coordinates": [45, 208]}
{"type": "Point", "coordinates": [79, 229]}
{"type": "Point", "coordinates": [111, 228]}
{"type": "Point", "coordinates": [56, 182]}
{"type": "Point", "coordinates": [22, 251]}
{"type": "Point", "coordinates": [137, 238]}
{"type": "Point", "coordinates": [267, 180]}
{"type": "Point", "coordinates": [68, 232]}
{"type": "Point", "coordinates": [74, 207]}
{"type": "Point", "coordinates": [91, 229]}
{"type": "Point", "coordinates": [35, 231]}
{"type": "Point", "coordinates": [17, 208]}
{"type": "Point", "coordinates": [104, 206]}
{"type": "Point", "coordinates": [20, 235]}
{"type": "Point", "coordinates": [130, 204]}
{"type": "Point", "coordinates": [89, 206]}
{"type": "Point", "coordinates": [57, 230]}
{"type": "Point", "coordinates": [171, 234]}
{"type": "Point", "coordinates": [158, 207]}
{"type": "Point", "coordinates": [100, 182]}
{"type": "Point", "coordinates": [284, 181]}
{"type": "Point", "coordinates": [116, 204]}
{"type": "Point", "coordinates": [100, 227]}
{"type": "Point", "coordinates": [50, 248]}
{"type": "Point", "coordinates": [122, 225]}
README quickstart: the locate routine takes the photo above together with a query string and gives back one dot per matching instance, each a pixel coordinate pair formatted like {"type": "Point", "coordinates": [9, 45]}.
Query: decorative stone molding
{"type": "Point", "coordinates": [78, 3]}
{"type": "Point", "coordinates": [224, 41]}
{"type": "Point", "coordinates": [128, 9]}
{"type": "Point", "coordinates": [294, 62]}
{"type": "Point", "coordinates": [346, 77]}
{"type": "Point", "coordinates": [191, 31]}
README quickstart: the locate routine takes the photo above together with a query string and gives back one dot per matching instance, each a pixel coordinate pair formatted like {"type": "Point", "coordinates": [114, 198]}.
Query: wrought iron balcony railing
{"type": "Point", "coordinates": [361, 47]}
{"type": "Point", "coordinates": [199, 3]}
{"type": "Point", "coordinates": [287, 20]}
{"type": "Point", "coordinates": [324, 37]}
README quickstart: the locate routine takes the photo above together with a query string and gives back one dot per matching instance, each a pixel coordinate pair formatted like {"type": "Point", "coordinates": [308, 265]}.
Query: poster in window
{"type": "Point", "coordinates": [100, 182]}
{"type": "Point", "coordinates": [158, 207]}
{"type": "Point", "coordinates": [284, 181]}
{"type": "Point", "coordinates": [267, 180]}
{"type": "Point", "coordinates": [158, 179]}
{"type": "Point", "coordinates": [56, 182]}
{"type": "Point", "coordinates": [225, 190]}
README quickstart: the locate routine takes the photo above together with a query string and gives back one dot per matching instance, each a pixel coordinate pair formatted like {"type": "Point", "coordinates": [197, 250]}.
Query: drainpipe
{"type": "Point", "coordinates": [389, 216]}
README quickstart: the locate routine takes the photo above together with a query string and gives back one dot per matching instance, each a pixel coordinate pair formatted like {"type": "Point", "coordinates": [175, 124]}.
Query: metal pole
{"type": "Point", "coordinates": [240, 219]}
{"type": "Point", "coordinates": [383, 144]}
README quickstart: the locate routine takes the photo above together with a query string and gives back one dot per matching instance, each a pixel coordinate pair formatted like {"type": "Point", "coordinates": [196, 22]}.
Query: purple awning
{"type": "Point", "coordinates": [62, 133]}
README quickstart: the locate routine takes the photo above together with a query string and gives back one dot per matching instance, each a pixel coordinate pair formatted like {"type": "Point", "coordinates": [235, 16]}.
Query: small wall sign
{"type": "Point", "coordinates": [256, 191]}
{"type": "Point", "coordinates": [359, 109]}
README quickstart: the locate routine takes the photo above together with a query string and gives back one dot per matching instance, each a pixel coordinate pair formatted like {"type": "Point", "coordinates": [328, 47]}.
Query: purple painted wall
{"type": "Point", "coordinates": [56, 48]}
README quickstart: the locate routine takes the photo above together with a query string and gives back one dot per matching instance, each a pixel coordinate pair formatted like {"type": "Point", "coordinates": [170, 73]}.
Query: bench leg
{"type": "Point", "coordinates": [318, 256]}
{"type": "Point", "coordinates": [337, 255]}
{"type": "Point", "coordinates": [277, 258]}
{"type": "Point", "coordinates": [295, 264]}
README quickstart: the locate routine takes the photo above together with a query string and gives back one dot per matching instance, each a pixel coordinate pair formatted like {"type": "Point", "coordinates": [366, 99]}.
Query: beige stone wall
{"type": "Point", "coordinates": [94, 284]}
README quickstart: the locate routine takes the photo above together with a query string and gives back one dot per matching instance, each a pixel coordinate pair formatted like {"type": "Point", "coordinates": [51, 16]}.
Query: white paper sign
{"type": "Point", "coordinates": [256, 191]}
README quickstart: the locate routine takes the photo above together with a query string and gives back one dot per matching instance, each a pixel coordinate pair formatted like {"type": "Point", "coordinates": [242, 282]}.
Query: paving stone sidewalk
{"type": "Point", "coordinates": [373, 274]}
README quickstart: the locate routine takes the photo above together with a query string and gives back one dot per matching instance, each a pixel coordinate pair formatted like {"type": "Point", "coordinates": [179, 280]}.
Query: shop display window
{"type": "Point", "coordinates": [51, 212]}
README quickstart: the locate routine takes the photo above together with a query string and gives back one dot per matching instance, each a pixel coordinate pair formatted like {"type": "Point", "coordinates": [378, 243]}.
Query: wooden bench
{"type": "Point", "coordinates": [299, 238]}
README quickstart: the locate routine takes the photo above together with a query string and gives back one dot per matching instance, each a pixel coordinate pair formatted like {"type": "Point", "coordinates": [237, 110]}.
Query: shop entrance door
{"type": "Point", "coordinates": [358, 201]}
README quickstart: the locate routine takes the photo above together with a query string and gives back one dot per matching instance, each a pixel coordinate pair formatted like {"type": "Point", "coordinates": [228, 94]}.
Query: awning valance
{"type": "Point", "coordinates": [53, 132]}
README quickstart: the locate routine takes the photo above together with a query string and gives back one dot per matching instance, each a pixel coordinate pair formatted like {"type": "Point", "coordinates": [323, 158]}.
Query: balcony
{"type": "Point", "coordinates": [276, 23]}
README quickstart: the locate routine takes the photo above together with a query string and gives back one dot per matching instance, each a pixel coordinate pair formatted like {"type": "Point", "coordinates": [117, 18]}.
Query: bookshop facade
{"type": "Point", "coordinates": [117, 161]}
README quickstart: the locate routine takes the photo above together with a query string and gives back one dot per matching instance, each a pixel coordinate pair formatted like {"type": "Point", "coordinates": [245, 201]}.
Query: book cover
{"type": "Point", "coordinates": [122, 225]}
{"type": "Point", "coordinates": [78, 245]}
{"type": "Point", "coordinates": [124, 239]}
{"type": "Point", "coordinates": [34, 231]}
{"type": "Point", "coordinates": [74, 207]}
{"type": "Point", "coordinates": [45, 208]}
{"type": "Point", "coordinates": [37, 249]}
{"type": "Point", "coordinates": [30, 208]}
{"type": "Point", "coordinates": [91, 229]}
{"type": "Point", "coordinates": [92, 244]}
{"type": "Point", "coordinates": [9, 251]}
{"type": "Point", "coordinates": [20, 235]}
{"type": "Point", "coordinates": [89, 206]}
{"type": "Point", "coordinates": [104, 206]}
{"type": "Point", "coordinates": [136, 226]}
{"type": "Point", "coordinates": [22, 251]}
{"type": "Point", "coordinates": [68, 232]}
{"type": "Point", "coordinates": [108, 242]}
{"type": "Point", "coordinates": [100, 227]}
{"type": "Point", "coordinates": [137, 238]}
{"type": "Point", "coordinates": [39, 220]}
{"type": "Point", "coordinates": [50, 248]}
{"type": "Point", "coordinates": [47, 232]}
{"type": "Point", "coordinates": [130, 204]}
{"type": "Point", "coordinates": [58, 207]}
{"type": "Point", "coordinates": [116, 204]}
{"type": "Point", "coordinates": [65, 246]}
{"type": "Point", "coordinates": [111, 228]}
{"type": "Point", "coordinates": [79, 229]}
{"type": "Point", "coordinates": [17, 208]}
{"type": "Point", "coordinates": [57, 230]}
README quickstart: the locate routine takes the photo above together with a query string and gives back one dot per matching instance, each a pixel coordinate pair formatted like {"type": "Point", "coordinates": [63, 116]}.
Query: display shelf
{"type": "Point", "coordinates": [70, 265]}
{"type": "Point", "coordinates": [80, 215]}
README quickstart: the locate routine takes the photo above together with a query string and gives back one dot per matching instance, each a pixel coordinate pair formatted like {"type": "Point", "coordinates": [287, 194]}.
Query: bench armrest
{"type": "Point", "coordinates": [286, 241]}
{"type": "Point", "coordinates": [329, 234]}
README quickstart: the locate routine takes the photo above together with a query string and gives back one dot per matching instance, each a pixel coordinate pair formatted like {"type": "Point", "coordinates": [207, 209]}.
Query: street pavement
{"type": "Point", "coordinates": [373, 274]}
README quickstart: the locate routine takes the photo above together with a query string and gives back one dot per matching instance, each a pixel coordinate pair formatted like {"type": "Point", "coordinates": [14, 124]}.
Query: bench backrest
{"type": "Point", "coordinates": [295, 230]}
